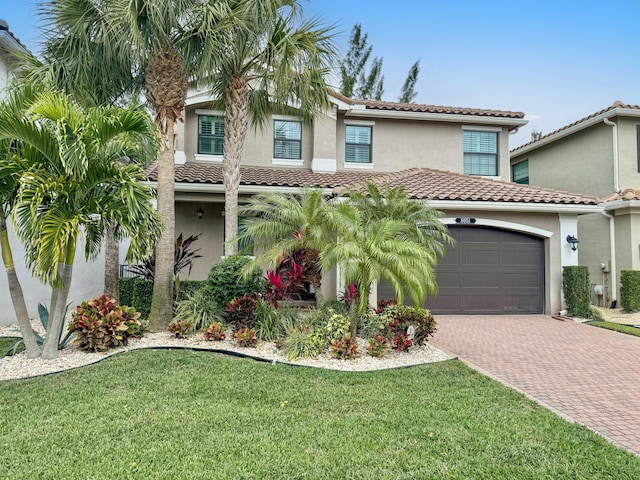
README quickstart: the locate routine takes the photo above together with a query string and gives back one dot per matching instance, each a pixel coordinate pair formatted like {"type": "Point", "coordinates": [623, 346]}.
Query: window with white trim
{"type": "Point", "coordinates": [287, 139]}
{"type": "Point", "coordinates": [210, 135]}
{"type": "Point", "coordinates": [480, 153]}
{"type": "Point", "coordinates": [358, 144]}
{"type": "Point", "coordinates": [520, 172]}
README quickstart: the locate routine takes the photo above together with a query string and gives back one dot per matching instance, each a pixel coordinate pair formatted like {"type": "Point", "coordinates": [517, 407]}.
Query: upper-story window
{"type": "Point", "coordinates": [358, 144]}
{"type": "Point", "coordinates": [287, 139]}
{"type": "Point", "coordinates": [520, 172]}
{"type": "Point", "coordinates": [480, 153]}
{"type": "Point", "coordinates": [210, 135]}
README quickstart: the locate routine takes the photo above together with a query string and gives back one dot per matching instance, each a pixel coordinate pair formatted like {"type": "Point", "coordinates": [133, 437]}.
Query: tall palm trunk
{"type": "Point", "coordinates": [111, 263]}
{"type": "Point", "coordinates": [166, 87]}
{"type": "Point", "coordinates": [17, 296]}
{"type": "Point", "coordinates": [162, 303]}
{"type": "Point", "coordinates": [236, 125]}
{"type": "Point", "coordinates": [57, 311]}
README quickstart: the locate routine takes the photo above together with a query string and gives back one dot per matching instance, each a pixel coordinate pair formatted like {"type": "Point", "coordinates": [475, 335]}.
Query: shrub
{"type": "Point", "coordinates": [575, 285]}
{"type": "Point", "coordinates": [344, 348]}
{"type": "Point", "coordinates": [181, 328]}
{"type": "Point", "coordinates": [240, 312]}
{"type": "Point", "coordinates": [401, 342]}
{"type": "Point", "coordinates": [137, 293]}
{"type": "Point", "coordinates": [303, 342]}
{"type": "Point", "coordinates": [225, 281]}
{"type": "Point", "coordinates": [337, 326]}
{"type": "Point", "coordinates": [100, 324]}
{"type": "Point", "coordinates": [267, 322]}
{"type": "Point", "coordinates": [398, 318]}
{"type": "Point", "coordinates": [378, 346]}
{"type": "Point", "coordinates": [215, 332]}
{"type": "Point", "coordinates": [629, 290]}
{"type": "Point", "coordinates": [199, 309]}
{"type": "Point", "coordinates": [335, 305]}
{"type": "Point", "coordinates": [246, 337]}
{"type": "Point", "coordinates": [595, 313]}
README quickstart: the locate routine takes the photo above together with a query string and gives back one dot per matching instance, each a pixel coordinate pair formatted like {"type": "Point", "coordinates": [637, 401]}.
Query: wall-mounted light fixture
{"type": "Point", "coordinates": [200, 213]}
{"type": "Point", "coordinates": [573, 241]}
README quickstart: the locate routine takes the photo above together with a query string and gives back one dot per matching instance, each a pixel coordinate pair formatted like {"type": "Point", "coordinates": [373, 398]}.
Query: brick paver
{"type": "Point", "coordinates": [585, 374]}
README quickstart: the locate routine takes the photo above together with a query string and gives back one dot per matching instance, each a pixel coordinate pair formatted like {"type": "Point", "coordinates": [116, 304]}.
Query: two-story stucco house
{"type": "Point", "coordinates": [510, 238]}
{"type": "Point", "coordinates": [598, 155]}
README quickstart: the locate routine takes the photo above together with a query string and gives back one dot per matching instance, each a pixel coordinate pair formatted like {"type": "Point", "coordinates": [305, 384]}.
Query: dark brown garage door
{"type": "Point", "coordinates": [488, 271]}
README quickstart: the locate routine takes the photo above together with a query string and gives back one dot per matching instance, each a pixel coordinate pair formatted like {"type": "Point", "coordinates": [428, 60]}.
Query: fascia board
{"type": "Point", "coordinates": [616, 112]}
{"type": "Point", "coordinates": [436, 117]}
{"type": "Point", "coordinates": [243, 189]}
{"type": "Point", "coordinates": [618, 204]}
{"type": "Point", "coordinates": [514, 207]}
{"type": "Point", "coordinates": [9, 43]}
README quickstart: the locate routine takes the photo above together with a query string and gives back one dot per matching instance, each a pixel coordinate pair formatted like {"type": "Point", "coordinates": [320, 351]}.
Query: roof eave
{"type": "Point", "coordinates": [531, 207]}
{"type": "Point", "coordinates": [9, 43]}
{"type": "Point", "coordinates": [436, 117]}
{"type": "Point", "coordinates": [629, 112]}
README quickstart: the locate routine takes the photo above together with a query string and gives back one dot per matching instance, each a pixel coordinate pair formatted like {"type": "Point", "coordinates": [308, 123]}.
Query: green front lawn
{"type": "Point", "coordinates": [617, 327]}
{"type": "Point", "coordinates": [200, 415]}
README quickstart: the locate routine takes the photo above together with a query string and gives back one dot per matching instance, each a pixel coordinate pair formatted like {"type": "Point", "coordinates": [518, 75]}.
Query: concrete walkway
{"type": "Point", "coordinates": [585, 374]}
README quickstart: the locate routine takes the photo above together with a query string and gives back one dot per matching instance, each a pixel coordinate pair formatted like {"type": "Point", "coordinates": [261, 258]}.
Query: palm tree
{"type": "Point", "coordinates": [279, 224]}
{"type": "Point", "coordinates": [264, 61]}
{"type": "Point", "coordinates": [66, 165]}
{"type": "Point", "coordinates": [386, 235]}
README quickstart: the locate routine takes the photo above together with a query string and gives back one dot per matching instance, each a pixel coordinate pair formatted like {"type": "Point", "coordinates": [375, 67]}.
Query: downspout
{"type": "Point", "coordinates": [616, 181]}
{"type": "Point", "coordinates": [612, 225]}
{"type": "Point", "coordinates": [612, 242]}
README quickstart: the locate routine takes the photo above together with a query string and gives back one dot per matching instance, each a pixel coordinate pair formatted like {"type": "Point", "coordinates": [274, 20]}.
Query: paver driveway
{"type": "Point", "coordinates": [585, 374]}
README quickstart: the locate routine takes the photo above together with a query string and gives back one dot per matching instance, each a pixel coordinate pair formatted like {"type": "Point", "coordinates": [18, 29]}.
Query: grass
{"type": "Point", "coordinates": [180, 414]}
{"type": "Point", "coordinates": [6, 345]}
{"type": "Point", "coordinates": [618, 327]}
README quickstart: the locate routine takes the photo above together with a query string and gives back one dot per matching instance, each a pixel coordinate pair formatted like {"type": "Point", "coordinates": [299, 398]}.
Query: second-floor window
{"type": "Point", "coordinates": [210, 135]}
{"type": "Point", "coordinates": [287, 139]}
{"type": "Point", "coordinates": [480, 153]}
{"type": "Point", "coordinates": [358, 144]}
{"type": "Point", "coordinates": [520, 172]}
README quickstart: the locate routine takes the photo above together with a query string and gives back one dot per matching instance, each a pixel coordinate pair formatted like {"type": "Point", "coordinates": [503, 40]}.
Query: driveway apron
{"type": "Point", "coordinates": [585, 374]}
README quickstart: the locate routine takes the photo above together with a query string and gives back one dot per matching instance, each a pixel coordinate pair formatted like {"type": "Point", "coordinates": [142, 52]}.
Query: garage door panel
{"type": "Point", "coordinates": [473, 280]}
{"type": "Point", "coordinates": [528, 280]}
{"type": "Point", "coordinates": [479, 256]}
{"type": "Point", "coordinates": [489, 302]}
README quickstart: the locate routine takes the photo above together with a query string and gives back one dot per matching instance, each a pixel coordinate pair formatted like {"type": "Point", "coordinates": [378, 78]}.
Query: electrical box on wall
{"type": "Point", "coordinates": [605, 267]}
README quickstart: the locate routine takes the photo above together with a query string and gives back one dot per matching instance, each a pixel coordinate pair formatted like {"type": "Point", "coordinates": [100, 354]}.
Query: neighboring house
{"type": "Point", "coordinates": [88, 278]}
{"type": "Point", "coordinates": [598, 155]}
{"type": "Point", "coordinates": [510, 245]}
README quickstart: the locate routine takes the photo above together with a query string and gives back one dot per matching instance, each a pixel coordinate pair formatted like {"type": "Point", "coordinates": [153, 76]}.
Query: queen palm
{"type": "Point", "coordinates": [66, 165]}
{"type": "Point", "coordinates": [264, 61]}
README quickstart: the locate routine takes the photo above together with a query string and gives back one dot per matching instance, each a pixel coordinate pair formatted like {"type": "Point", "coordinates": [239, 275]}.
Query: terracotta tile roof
{"type": "Point", "coordinates": [421, 183]}
{"type": "Point", "coordinates": [616, 104]}
{"type": "Point", "coordinates": [627, 194]}
{"type": "Point", "coordinates": [416, 107]}
{"type": "Point", "coordinates": [425, 183]}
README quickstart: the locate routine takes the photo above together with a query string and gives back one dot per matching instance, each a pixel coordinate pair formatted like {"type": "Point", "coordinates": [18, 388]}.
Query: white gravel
{"type": "Point", "coordinates": [19, 366]}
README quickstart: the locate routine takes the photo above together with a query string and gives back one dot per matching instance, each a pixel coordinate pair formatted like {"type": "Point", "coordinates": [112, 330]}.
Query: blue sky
{"type": "Point", "coordinates": [557, 61]}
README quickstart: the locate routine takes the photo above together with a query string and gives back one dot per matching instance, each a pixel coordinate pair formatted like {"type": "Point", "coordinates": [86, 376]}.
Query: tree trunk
{"type": "Point", "coordinates": [111, 263]}
{"type": "Point", "coordinates": [161, 313]}
{"type": "Point", "coordinates": [17, 296]}
{"type": "Point", "coordinates": [236, 124]}
{"type": "Point", "coordinates": [57, 311]}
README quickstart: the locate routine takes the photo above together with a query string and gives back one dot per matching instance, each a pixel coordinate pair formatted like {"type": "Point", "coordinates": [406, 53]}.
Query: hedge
{"type": "Point", "coordinates": [630, 290]}
{"type": "Point", "coordinates": [137, 292]}
{"type": "Point", "coordinates": [575, 285]}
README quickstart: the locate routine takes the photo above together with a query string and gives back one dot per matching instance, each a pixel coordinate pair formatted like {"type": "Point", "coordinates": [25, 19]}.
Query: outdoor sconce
{"type": "Point", "coordinates": [573, 241]}
{"type": "Point", "coordinates": [200, 213]}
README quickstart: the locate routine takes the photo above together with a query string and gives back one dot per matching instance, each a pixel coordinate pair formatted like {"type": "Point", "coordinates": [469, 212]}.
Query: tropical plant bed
{"type": "Point", "coordinates": [70, 357]}
{"type": "Point", "coordinates": [616, 327]}
{"type": "Point", "coordinates": [189, 415]}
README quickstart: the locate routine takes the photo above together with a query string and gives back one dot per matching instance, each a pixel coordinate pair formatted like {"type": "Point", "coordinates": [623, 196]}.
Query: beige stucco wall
{"type": "Point", "coordinates": [628, 152]}
{"type": "Point", "coordinates": [593, 250]}
{"type": "Point", "coordinates": [581, 163]}
{"type": "Point", "coordinates": [258, 147]}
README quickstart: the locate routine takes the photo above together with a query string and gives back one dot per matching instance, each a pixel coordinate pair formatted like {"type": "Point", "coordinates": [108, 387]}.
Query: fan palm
{"type": "Point", "coordinates": [66, 164]}
{"type": "Point", "coordinates": [264, 61]}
